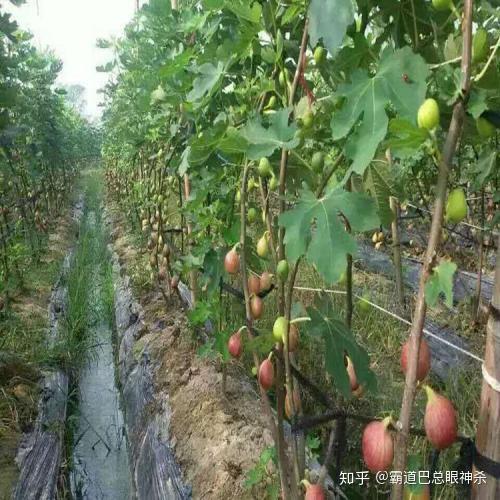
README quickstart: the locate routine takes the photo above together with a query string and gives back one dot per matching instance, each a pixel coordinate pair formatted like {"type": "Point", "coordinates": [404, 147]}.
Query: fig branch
{"type": "Point", "coordinates": [277, 431]}
{"type": "Point", "coordinates": [281, 256]}
{"type": "Point", "coordinates": [314, 421]}
{"type": "Point", "coordinates": [445, 163]}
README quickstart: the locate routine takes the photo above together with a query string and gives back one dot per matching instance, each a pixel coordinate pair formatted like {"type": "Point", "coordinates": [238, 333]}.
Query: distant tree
{"type": "Point", "coordinates": [75, 96]}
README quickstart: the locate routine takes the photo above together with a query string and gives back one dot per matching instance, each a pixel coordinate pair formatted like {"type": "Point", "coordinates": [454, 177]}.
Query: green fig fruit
{"type": "Point", "coordinates": [280, 328]}
{"type": "Point", "coordinates": [442, 4]}
{"type": "Point", "coordinates": [282, 270]}
{"type": "Point", "coordinates": [428, 114]}
{"type": "Point", "coordinates": [264, 167]}
{"type": "Point", "coordinates": [480, 46]}
{"type": "Point", "coordinates": [456, 206]}
{"type": "Point", "coordinates": [251, 214]}
{"type": "Point", "coordinates": [319, 55]}
{"type": "Point", "coordinates": [318, 161]}
{"type": "Point", "coordinates": [262, 247]}
{"type": "Point", "coordinates": [485, 128]}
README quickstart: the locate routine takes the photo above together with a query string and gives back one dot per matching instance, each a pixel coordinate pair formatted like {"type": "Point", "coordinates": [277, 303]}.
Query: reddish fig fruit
{"type": "Point", "coordinates": [265, 281]}
{"type": "Point", "coordinates": [288, 403]}
{"type": "Point", "coordinates": [162, 273]}
{"type": "Point", "coordinates": [254, 284]}
{"type": "Point", "coordinates": [174, 282]}
{"type": "Point", "coordinates": [424, 359]}
{"type": "Point", "coordinates": [266, 374]}
{"type": "Point", "coordinates": [440, 420]}
{"type": "Point", "coordinates": [235, 345]}
{"type": "Point", "coordinates": [377, 445]}
{"type": "Point", "coordinates": [232, 262]}
{"type": "Point", "coordinates": [352, 374]}
{"type": "Point", "coordinates": [256, 307]}
{"type": "Point", "coordinates": [315, 492]}
{"type": "Point", "coordinates": [153, 261]}
{"type": "Point", "coordinates": [293, 338]}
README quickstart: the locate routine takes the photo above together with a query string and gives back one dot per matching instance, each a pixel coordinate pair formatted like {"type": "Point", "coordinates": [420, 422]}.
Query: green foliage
{"type": "Point", "coordinates": [368, 97]}
{"type": "Point", "coordinates": [441, 281]}
{"type": "Point", "coordinates": [339, 341]}
{"type": "Point", "coordinates": [43, 139]}
{"type": "Point", "coordinates": [329, 21]}
{"type": "Point", "coordinates": [314, 228]}
{"type": "Point", "coordinates": [264, 141]}
{"type": "Point", "coordinates": [258, 474]}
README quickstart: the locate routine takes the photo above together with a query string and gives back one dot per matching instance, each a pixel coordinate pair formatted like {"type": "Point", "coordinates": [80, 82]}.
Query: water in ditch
{"type": "Point", "coordinates": [100, 466]}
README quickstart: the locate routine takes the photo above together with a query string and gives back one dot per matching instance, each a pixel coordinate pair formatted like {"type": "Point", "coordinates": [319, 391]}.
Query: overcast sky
{"type": "Point", "coordinates": [71, 28]}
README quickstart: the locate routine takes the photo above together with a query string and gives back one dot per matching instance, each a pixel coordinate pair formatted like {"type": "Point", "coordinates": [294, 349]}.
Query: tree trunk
{"type": "Point", "coordinates": [488, 427]}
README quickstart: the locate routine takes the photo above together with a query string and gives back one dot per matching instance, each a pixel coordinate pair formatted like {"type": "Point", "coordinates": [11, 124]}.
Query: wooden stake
{"type": "Point", "coordinates": [396, 254]}
{"type": "Point", "coordinates": [488, 426]}
{"type": "Point", "coordinates": [477, 301]}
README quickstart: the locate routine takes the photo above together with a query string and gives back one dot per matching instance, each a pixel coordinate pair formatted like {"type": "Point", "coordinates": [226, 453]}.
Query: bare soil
{"type": "Point", "coordinates": [217, 437]}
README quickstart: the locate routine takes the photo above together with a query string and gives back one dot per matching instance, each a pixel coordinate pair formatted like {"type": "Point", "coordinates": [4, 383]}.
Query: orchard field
{"type": "Point", "coordinates": [277, 254]}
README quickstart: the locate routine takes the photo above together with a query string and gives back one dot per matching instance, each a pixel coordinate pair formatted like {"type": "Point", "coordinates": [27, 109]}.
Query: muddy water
{"type": "Point", "coordinates": [100, 458]}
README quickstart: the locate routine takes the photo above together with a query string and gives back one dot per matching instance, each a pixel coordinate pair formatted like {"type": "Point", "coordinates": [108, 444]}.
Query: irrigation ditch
{"type": "Point", "coordinates": [94, 437]}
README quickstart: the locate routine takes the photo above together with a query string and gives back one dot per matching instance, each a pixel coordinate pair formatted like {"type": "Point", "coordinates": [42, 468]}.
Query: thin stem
{"type": "Point", "coordinates": [488, 62]}
{"type": "Point", "coordinates": [281, 255]}
{"type": "Point", "coordinates": [277, 431]}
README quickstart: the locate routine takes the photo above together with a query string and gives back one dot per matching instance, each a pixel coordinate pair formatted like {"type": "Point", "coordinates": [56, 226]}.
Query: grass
{"type": "Point", "coordinates": [90, 299]}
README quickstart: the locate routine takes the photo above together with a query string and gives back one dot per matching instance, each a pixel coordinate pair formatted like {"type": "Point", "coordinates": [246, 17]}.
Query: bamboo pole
{"type": "Point", "coordinates": [488, 427]}
{"type": "Point", "coordinates": [477, 300]}
{"type": "Point", "coordinates": [396, 254]}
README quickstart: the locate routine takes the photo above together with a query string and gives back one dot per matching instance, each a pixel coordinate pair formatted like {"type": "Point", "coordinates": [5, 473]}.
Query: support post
{"type": "Point", "coordinates": [488, 426]}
